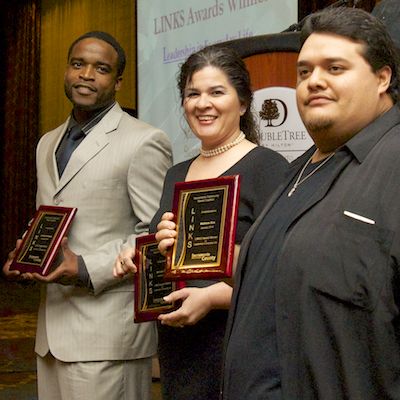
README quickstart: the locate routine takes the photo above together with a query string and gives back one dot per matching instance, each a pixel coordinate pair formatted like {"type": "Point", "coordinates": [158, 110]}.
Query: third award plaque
{"type": "Point", "coordinates": [206, 216]}
{"type": "Point", "coordinates": [150, 287]}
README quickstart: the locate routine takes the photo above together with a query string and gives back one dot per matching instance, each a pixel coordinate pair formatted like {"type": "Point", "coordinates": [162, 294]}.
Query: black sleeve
{"type": "Point", "coordinates": [261, 174]}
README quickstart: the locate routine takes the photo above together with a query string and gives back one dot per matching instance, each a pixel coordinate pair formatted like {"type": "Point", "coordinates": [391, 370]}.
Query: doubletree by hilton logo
{"type": "Point", "coordinates": [274, 112]}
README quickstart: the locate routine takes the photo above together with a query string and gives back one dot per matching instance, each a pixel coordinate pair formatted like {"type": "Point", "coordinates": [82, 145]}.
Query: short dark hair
{"type": "Point", "coordinates": [360, 26]}
{"type": "Point", "coordinates": [230, 63]}
{"type": "Point", "coordinates": [106, 37]}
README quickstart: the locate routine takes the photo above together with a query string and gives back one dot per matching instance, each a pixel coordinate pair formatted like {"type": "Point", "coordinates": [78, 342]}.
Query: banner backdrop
{"type": "Point", "coordinates": [170, 30]}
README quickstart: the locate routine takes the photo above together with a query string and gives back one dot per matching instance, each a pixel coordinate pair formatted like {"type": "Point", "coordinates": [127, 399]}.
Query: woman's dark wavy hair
{"type": "Point", "coordinates": [360, 26]}
{"type": "Point", "coordinates": [229, 62]}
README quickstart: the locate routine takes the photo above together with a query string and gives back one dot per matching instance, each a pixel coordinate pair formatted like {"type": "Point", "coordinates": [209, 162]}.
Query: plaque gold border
{"type": "Point", "coordinates": [183, 200]}
{"type": "Point", "coordinates": [37, 221]}
{"type": "Point", "coordinates": [176, 269]}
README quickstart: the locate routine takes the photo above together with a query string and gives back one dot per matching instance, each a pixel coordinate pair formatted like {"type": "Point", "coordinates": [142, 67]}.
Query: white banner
{"type": "Point", "coordinates": [170, 30]}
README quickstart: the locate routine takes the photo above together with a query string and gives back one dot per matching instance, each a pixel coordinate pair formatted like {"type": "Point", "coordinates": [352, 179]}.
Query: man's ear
{"type": "Point", "coordinates": [384, 76]}
{"type": "Point", "coordinates": [118, 83]}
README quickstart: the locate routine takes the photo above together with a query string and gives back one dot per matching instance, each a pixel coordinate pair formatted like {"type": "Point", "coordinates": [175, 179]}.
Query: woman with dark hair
{"type": "Point", "coordinates": [214, 87]}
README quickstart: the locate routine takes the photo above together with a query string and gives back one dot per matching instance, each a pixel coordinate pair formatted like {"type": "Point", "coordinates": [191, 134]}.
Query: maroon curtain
{"type": "Point", "coordinates": [19, 116]}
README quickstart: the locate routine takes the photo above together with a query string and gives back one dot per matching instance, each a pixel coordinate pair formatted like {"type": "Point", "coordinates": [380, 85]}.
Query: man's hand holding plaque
{"type": "Point", "coordinates": [206, 216]}
{"type": "Point", "coordinates": [42, 240]}
{"type": "Point", "coordinates": [12, 275]}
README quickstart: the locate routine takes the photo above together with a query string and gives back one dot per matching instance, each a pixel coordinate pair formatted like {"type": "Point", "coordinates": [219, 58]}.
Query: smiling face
{"type": "Point", "coordinates": [91, 80]}
{"type": "Point", "coordinates": [212, 107]}
{"type": "Point", "coordinates": [338, 94]}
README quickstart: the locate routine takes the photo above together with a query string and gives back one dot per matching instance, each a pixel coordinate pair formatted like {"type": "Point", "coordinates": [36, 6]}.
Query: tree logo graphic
{"type": "Point", "coordinates": [270, 112]}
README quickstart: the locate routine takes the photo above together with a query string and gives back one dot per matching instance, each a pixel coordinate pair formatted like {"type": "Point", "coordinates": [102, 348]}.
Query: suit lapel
{"type": "Point", "coordinates": [51, 153]}
{"type": "Point", "coordinates": [294, 169]}
{"type": "Point", "coordinates": [342, 158]}
{"type": "Point", "coordinates": [91, 146]}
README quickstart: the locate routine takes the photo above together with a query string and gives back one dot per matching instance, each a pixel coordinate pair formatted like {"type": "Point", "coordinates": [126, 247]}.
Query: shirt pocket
{"type": "Point", "coordinates": [353, 262]}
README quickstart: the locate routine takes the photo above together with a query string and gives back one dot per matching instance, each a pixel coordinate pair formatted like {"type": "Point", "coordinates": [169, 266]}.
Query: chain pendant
{"type": "Point", "coordinates": [292, 190]}
{"type": "Point", "coordinates": [299, 180]}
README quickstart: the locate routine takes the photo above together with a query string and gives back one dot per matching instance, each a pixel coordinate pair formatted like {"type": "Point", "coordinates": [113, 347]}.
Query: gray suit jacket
{"type": "Point", "coordinates": [115, 180]}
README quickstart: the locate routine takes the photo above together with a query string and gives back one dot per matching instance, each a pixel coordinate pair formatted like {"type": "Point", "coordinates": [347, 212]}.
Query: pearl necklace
{"type": "Point", "coordinates": [299, 181]}
{"type": "Point", "coordinates": [224, 148]}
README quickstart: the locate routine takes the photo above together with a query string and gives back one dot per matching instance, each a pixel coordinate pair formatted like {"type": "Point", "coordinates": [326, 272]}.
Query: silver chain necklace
{"type": "Point", "coordinates": [299, 181]}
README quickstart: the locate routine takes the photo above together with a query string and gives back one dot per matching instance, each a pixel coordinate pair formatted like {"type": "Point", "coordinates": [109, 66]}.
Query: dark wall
{"type": "Point", "coordinates": [306, 7]}
{"type": "Point", "coordinates": [2, 91]}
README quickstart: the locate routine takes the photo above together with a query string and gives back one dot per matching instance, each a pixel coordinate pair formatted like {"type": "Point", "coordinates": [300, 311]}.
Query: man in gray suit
{"type": "Point", "coordinates": [87, 344]}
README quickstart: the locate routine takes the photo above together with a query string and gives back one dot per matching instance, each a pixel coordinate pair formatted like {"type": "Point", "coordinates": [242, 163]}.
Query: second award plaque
{"type": "Point", "coordinates": [206, 217]}
{"type": "Point", "coordinates": [150, 287]}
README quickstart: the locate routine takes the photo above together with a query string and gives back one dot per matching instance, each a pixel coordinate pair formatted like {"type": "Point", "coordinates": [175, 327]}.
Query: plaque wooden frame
{"type": "Point", "coordinates": [211, 206]}
{"type": "Point", "coordinates": [150, 286]}
{"type": "Point", "coordinates": [42, 240]}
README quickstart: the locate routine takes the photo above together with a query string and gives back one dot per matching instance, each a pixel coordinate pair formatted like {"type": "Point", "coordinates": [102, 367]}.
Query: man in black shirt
{"type": "Point", "coordinates": [315, 312]}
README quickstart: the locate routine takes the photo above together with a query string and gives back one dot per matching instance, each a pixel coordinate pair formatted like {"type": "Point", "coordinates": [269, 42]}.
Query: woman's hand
{"type": "Point", "coordinates": [123, 264]}
{"type": "Point", "coordinates": [196, 304]}
{"type": "Point", "coordinates": [166, 232]}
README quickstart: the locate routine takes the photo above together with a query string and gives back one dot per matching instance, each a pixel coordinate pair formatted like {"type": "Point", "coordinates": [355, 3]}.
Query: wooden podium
{"type": "Point", "coordinates": [270, 59]}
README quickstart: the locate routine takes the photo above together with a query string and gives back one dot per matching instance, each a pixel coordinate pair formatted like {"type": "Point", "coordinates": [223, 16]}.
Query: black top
{"type": "Point", "coordinates": [337, 278]}
{"type": "Point", "coordinates": [261, 171]}
{"type": "Point", "coordinates": [191, 358]}
{"type": "Point", "coordinates": [253, 372]}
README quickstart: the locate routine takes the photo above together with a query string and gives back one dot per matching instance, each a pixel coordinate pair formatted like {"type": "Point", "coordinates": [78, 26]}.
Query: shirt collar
{"type": "Point", "coordinates": [364, 141]}
{"type": "Point", "coordinates": [89, 125]}
{"type": "Point", "coordinates": [361, 143]}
